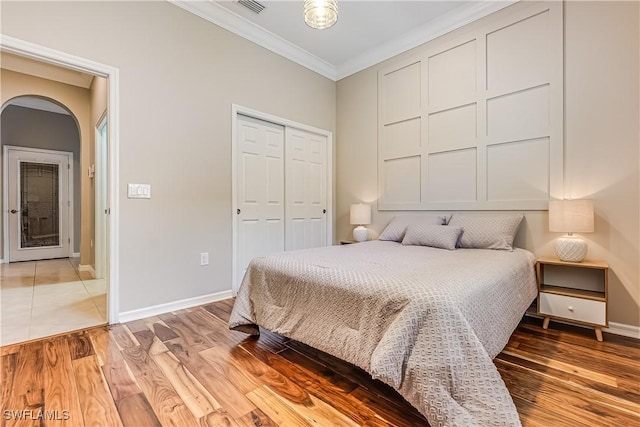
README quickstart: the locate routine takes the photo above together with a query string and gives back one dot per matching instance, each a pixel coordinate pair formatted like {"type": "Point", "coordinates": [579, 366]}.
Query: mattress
{"type": "Point", "coordinates": [426, 321]}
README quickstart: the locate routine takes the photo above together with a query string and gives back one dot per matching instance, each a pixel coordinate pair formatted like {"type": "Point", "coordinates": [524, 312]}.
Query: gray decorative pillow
{"type": "Point", "coordinates": [435, 236]}
{"type": "Point", "coordinates": [487, 231]}
{"type": "Point", "coordinates": [396, 228]}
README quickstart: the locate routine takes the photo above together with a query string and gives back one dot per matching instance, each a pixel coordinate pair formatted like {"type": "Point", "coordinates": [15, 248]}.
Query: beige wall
{"type": "Point", "coordinates": [179, 76]}
{"type": "Point", "coordinates": [601, 143]}
{"type": "Point", "coordinates": [76, 99]}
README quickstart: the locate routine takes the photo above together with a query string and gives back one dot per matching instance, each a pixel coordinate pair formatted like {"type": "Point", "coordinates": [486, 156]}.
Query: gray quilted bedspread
{"type": "Point", "coordinates": [426, 321]}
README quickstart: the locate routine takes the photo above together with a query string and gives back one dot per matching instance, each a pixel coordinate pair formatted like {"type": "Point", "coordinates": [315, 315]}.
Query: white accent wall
{"type": "Point", "coordinates": [474, 121]}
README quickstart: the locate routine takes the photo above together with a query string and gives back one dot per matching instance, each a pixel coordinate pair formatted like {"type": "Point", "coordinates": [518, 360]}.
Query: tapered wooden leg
{"type": "Point", "coordinates": [545, 324]}
{"type": "Point", "coordinates": [599, 333]}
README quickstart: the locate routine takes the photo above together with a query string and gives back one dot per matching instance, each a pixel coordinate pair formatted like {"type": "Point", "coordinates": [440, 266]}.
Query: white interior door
{"type": "Point", "coordinates": [306, 189]}
{"type": "Point", "coordinates": [102, 193]}
{"type": "Point", "coordinates": [39, 204]}
{"type": "Point", "coordinates": [260, 191]}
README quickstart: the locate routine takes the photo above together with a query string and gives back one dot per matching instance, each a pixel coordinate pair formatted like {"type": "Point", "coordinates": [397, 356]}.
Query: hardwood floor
{"type": "Point", "coordinates": [187, 369]}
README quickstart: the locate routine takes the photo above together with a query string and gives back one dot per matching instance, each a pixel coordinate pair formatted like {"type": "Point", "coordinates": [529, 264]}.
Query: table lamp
{"type": "Point", "coordinates": [360, 215]}
{"type": "Point", "coordinates": [571, 216]}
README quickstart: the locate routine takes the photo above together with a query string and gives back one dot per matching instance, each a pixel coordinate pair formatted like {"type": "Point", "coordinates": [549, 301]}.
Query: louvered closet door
{"type": "Point", "coordinates": [305, 189]}
{"type": "Point", "coordinates": [260, 179]}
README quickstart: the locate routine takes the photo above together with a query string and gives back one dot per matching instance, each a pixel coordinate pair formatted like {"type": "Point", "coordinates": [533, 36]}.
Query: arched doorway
{"type": "Point", "coordinates": [41, 140]}
{"type": "Point", "coordinates": [42, 284]}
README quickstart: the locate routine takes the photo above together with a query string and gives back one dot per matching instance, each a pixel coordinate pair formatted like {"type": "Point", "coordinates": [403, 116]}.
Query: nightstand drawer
{"type": "Point", "coordinates": [582, 310]}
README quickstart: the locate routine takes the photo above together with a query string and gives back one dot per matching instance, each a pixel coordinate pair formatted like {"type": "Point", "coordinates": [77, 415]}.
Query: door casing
{"type": "Point", "coordinates": [101, 199]}
{"type": "Point", "coordinates": [52, 56]}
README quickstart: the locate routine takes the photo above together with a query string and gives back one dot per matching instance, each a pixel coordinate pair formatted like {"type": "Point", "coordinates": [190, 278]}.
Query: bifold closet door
{"type": "Point", "coordinates": [260, 179]}
{"type": "Point", "coordinates": [305, 189]}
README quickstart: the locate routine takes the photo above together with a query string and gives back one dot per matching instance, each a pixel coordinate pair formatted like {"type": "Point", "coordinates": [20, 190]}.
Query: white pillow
{"type": "Point", "coordinates": [397, 226]}
{"type": "Point", "coordinates": [487, 231]}
{"type": "Point", "coordinates": [435, 236]}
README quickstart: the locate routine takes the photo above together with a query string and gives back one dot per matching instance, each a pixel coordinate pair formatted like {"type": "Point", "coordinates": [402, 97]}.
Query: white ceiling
{"type": "Point", "coordinates": [367, 32]}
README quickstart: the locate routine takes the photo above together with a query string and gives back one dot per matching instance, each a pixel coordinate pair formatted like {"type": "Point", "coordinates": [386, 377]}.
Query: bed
{"type": "Point", "coordinates": [424, 320]}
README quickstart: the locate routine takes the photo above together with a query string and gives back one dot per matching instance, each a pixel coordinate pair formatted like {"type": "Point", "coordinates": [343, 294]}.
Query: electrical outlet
{"type": "Point", "coordinates": [204, 258]}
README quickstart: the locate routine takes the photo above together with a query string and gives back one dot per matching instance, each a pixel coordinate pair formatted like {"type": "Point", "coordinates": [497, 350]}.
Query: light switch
{"type": "Point", "coordinates": [139, 191]}
{"type": "Point", "coordinates": [204, 258]}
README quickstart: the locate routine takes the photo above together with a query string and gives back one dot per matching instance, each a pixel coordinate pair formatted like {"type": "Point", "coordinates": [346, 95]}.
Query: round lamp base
{"type": "Point", "coordinates": [571, 249]}
{"type": "Point", "coordinates": [360, 234]}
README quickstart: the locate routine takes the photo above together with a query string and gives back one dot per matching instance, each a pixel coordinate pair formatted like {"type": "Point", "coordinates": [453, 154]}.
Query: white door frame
{"type": "Point", "coordinates": [5, 193]}
{"type": "Point", "coordinates": [240, 110]}
{"type": "Point", "coordinates": [100, 238]}
{"type": "Point", "coordinates": [52, 56]}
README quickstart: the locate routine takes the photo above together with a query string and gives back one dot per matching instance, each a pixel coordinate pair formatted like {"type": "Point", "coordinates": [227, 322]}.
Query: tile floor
{"type": "Point", "coordinates": [41, 298]}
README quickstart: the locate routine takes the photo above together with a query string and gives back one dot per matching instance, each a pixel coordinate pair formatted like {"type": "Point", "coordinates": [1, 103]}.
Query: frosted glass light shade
{"type": "Point", "coordinates": [360, 214]}
{"type": "Point", "coordinates": [320, 14]}
{"type": "Point", "coordinates": [571, 216]}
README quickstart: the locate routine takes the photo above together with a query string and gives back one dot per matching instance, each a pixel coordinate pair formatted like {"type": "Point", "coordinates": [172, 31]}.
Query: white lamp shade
{"type": "Point", "coordinates": [571, 216]}
{"type": "Point", "coordinates": [360, 214]}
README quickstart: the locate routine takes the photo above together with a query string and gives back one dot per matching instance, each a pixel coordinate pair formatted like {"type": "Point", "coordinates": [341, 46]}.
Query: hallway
{"type": "Point", "coordinates": [42, 298]}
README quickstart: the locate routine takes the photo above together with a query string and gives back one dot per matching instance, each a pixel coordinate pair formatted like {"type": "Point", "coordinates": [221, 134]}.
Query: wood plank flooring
{"type": "Point", "coordinates": [187, 369]}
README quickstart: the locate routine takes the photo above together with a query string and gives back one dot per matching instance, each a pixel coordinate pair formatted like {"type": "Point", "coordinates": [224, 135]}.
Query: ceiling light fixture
{"type": "Point", "coordinates": [320, 14]}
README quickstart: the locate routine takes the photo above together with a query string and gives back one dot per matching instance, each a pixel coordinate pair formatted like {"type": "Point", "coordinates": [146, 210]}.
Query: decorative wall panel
{"type": "Point", "coordinates": [452, 76]}
{"type": "Point", "coordinates": [518, 170]}
{"type": "Point", "coordinates": [402, 139]}
{"type": "Point", "coordinates": [452, 176]}
{"type": "Point", "coordinates": [519, 114]}
{"type": "Point", "coordinates": [476, 122]}
{"type": "Point", "coordinates": [453, 129]}
{"type": "Point", "coordinates": [403, 181]}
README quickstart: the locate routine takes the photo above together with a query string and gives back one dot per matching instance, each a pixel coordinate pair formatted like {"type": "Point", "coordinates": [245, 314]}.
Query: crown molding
{"type": "Point", "coordinates": [446, 23]}
{"type": "Point", "coordinates": [235, 23]}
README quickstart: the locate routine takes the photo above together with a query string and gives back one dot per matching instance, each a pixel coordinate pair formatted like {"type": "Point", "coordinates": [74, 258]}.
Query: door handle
{"type": "Point", "coordinates": [14, 211]}
{"type": "Point", "coordinates": [324, 211]}
{"type": "Point", "coordinates": [238, 211]}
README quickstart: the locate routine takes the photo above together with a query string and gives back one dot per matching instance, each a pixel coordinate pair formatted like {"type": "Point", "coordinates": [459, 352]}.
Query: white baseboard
{"type": "Point", "coordinates": [2, 261]}
{"type": "Point", "coordinates": [624, 330]}
{"type": "Point", "coordinates": [141, 313]}
{"type": "Point", "coordinates": [87, 268]}
{"type": "Point", "coordinates": [614, 328]}
{"type": "Point", "coordinates": [75, 255]}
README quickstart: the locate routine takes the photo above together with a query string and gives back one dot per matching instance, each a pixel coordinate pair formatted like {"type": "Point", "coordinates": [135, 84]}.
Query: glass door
{"type": "Point", "coordinates": [39, 205]}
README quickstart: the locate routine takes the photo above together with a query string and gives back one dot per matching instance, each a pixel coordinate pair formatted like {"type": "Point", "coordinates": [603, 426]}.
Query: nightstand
{"type": "Point", "coordinates": [573, 291]}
